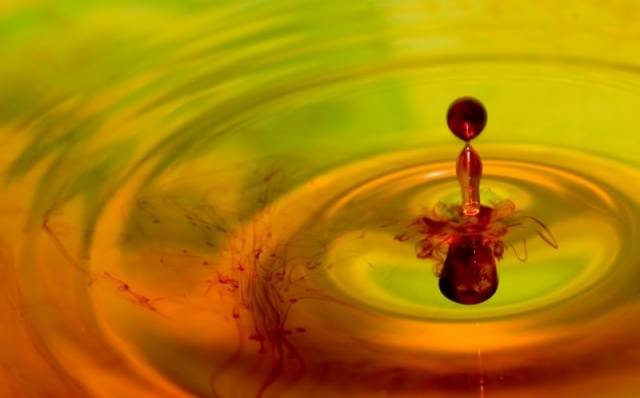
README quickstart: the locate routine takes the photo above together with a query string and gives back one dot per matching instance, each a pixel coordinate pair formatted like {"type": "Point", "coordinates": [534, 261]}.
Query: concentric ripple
{"type": "Point", "coordinates": [202, 198]}
{"type": "Point", "coordinates": [583, 215]}
{"type": "Point", "coordinates": [320, 268]}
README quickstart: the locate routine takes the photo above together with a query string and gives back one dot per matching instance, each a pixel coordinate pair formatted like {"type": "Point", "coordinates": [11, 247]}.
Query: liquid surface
{"type": "Point", "coordinates": [203, 200]}
{"type": "Point", "coordinates": [317, 283]}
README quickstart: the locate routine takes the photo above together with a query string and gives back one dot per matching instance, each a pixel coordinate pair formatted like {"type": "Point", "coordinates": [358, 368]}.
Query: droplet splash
{"type": "Point", "coordinates": [466, 240]}
{"type": "Point", "coordinates": [213, 230]}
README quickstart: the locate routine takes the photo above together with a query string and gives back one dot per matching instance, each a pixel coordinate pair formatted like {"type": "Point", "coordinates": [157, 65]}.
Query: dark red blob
{"type": "Point", "coordinates": [466, 118]}
{"type": "Point", "coordinates": [469, 273]}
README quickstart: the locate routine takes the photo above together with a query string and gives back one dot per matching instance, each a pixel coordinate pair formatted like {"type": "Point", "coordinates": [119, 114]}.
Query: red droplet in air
{"type": "Point", "coordinates": [466, 118]}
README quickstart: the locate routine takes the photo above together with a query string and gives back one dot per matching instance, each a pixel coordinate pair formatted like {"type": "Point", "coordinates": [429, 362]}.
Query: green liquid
{"type": "Point", "coordinates": [155, 142]}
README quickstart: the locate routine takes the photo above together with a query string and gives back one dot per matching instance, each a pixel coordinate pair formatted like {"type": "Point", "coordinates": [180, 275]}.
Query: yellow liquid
{"type": "Point", "coordinates": [203, 200]}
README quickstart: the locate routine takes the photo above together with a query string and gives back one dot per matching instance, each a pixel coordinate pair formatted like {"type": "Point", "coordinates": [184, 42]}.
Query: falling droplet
{"type": "Point", "coordinates": [466, 118]}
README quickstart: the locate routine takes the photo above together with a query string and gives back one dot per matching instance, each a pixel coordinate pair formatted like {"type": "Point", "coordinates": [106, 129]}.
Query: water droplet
{"type": "Point", "coordinates": [466, 118]}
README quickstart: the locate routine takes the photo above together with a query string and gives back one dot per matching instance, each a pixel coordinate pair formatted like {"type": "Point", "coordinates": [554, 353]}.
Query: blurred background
{"type": "Point", "coordinates": [201, 198]}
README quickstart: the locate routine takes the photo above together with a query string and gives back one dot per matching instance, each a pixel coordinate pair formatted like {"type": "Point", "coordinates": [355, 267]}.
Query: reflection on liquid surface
{"type": "Point", "coordinates": [202, 200]}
